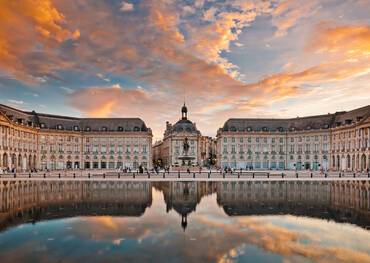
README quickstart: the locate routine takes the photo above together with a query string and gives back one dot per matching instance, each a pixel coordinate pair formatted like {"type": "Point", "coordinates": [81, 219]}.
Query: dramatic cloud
{"type": "Point", "coordinates": [172, 50]}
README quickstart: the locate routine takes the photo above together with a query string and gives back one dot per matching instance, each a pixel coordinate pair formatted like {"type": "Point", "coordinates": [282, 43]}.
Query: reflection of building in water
{"type": "Point", "coordinates": [31, 201]}
{"type": "Point", "coordinates": [341, 201]}
{"type": "Point", "coordinates": [183, 197]}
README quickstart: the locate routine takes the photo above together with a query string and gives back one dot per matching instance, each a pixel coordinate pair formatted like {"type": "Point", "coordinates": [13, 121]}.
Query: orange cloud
{"type": "Point", "coordinates": [24, 25]}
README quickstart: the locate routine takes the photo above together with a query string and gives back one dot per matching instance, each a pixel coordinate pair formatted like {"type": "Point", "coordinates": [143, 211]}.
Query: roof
{"type": "Point", "coordinates": [300, 123]}
{"type": "Point", "coordinates": [49, 121]}
{"type": "Point", "coordinates": [183, 125]}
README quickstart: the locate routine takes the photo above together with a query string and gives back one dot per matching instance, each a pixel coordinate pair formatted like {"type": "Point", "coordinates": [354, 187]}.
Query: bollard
{"type": "Point", "coordinates": [164, 175]}
{"type": "Point", "coordinates": [223, 175]}
{"type": "Point", "coordinates": [268, 175]}
{"type": "Point", "coordinates": [296, 174]}
{"type": "Point", "coordinates": [88, 175]}
{"type": "Point", "coordinates": [252, 175]}
{"type": "Point", "coordinates": [282, 175]}
{"type": "Point", "coordinates": [354, 175]}
{"type": "Point", "coordinates": [311, 175]}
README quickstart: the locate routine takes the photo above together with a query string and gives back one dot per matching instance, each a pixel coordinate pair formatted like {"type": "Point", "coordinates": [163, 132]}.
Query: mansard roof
{"type": "Point", "coordinates": [300, 123]}
{"type": "Point", "coordinates": [49, 121]}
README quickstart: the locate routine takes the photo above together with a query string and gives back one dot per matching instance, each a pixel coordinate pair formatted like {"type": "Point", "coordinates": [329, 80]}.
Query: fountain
{"type": "Point", "coordinates": [185, 158]}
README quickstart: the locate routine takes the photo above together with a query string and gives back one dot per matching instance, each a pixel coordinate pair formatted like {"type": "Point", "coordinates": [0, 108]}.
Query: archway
{"type": "Point", "coordinates": [5, 161]}
{"type": "Point", "coordinates": [348, 162]}
{"type": "Point", "coordinates": [363, 162]}
{"type": "Point", "coordinates": [30, 162]}
{"type": "Point", "coordinates": [338, 162]}
{"type": "Point", "coordinates": [333, 159]}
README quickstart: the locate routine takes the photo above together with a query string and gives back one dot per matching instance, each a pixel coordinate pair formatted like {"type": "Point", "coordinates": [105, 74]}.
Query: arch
{"type": "Point", "coordinates": [333, 158]}
{"type": "Point", "coordinates": [30, 162]}
{"type": "Point", "coordinates": [348, 162]}
{"type": "Point", "coordinates": [363, 162]}
{"type": "Point", "coordinates": [338, 162]}
{"type": "Point", "coordinates": [5, 163]}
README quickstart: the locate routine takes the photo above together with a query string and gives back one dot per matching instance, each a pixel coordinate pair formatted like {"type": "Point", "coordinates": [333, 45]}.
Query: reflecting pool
{"type": "Point", "coordinates": [102, 221]}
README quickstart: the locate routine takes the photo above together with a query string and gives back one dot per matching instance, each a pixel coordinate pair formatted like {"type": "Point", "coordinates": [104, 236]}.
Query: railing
{"type": "Point", "coordinates": [203, 175]}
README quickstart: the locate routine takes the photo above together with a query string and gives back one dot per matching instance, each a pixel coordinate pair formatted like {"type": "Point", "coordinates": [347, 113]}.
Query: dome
{"type": "Point", "coordinates": [184, 126]}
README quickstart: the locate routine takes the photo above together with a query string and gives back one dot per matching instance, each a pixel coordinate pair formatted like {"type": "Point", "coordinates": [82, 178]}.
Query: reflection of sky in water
{"type": "Point", "coordinates": [210, 236]}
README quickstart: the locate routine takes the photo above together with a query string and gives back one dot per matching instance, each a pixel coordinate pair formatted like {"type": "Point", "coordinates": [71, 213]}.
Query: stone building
{"type": "Point", "coordinates": [338, 141]}
{"type": "Point", "coordinates": [44, 141]}
{"type": "Point", "coordinates": [170, 151]}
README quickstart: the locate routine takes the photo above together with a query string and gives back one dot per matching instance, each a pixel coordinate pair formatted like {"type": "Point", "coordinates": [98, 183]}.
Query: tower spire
{"type": "Point", "coordinates": [184, 112]}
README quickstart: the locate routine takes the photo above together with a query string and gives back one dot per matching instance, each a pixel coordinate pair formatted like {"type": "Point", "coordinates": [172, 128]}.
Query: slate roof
{"type": "Point", "coordinates": [49, 121]}
{"type": "Point", "coordinates": [300, 123]}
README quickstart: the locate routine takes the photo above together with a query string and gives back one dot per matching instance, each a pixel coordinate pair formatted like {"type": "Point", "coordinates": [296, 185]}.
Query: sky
{"type": "Point", "coordinates": [225, 58]}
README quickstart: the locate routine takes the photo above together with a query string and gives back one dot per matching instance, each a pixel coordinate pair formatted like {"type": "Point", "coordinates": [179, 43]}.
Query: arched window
{"type": "Point", "coordinates": [136, 128]}
{"type": "Point", "coordinates": [60, 127]}
{"type": "Point", "coordinates": [104, 128]}
{"type": "Point", "coordinates": [87, 129]}
{"type": "Point", "coordinates": [249, 129]}
{"type": "Point", "coordinates": [265, 129]}
{"type": "Point", "coordinates": [76, 128]}
{"type": "Point", "coordinates": [120, 128]}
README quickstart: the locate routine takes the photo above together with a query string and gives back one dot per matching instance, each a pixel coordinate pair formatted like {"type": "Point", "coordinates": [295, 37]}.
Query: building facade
{"type": "Point", "coordinates": [30, 140]}
{"type": "Point", "coordinates": [170, 151]}
{"type": "Point", "coordinates": [337, 141]}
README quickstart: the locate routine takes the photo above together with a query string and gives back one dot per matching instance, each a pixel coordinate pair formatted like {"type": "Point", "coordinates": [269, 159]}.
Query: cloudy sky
{"type": "Point", "coordinates": [235, 58]}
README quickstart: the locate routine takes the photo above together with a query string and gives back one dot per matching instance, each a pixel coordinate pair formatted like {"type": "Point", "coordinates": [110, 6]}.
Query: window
{"type": "Point", "coordinates": [225, 140]}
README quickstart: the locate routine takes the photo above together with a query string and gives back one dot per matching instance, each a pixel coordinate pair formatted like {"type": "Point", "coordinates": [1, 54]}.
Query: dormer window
{"type": "Point", "coordinates": [338, 123]}
{"type": "Point", "coordinates": [249, 129]}
{"type": "Point", "coordinates": [87, 129]}
{"type": "Point", "coordinates": [349, 121]}
{"type": "Point", "coordinates": [233, 129]}
{"type": "Point", "coordinates": [20, 121]}
{"type": "Point", "coordinates": [136, 128]}
{"type": "Point", "coordinates": [308, 128]}
{"type": "Point", "coordinates": [76, 128]}
{"type": "Point", "coordinates": [104, 128]}
{"type": "Point", "coordinates": [60, 127]}
{"type": "Point", "coordinates": [326, 126]}
{"type": "Point", "coordinates": [265, 129]}
{"type": "Point", "coordinates": [292, 129]}
{"type": "Point", "coordinates": [359, 118]}
{"type": "Point", "coordinates": [120, 129]}
{"type": "Point", "coordinates": [43, 125]}
{"type": "Point", "coordinates": [280, 129]}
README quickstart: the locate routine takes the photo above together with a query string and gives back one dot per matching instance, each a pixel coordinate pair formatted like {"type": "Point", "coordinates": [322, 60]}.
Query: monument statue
{"type": "Point", "coordinates": [186, 146]}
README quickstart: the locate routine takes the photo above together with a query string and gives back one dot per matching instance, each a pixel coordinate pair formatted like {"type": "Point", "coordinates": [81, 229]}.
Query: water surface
{"type": "Point", "coordinates": [72, 221]}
